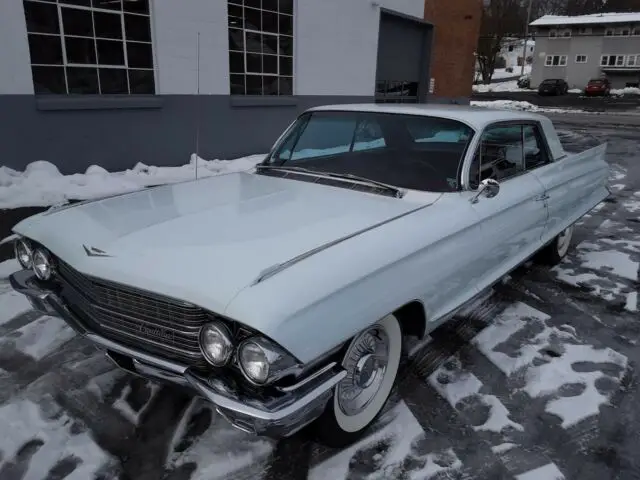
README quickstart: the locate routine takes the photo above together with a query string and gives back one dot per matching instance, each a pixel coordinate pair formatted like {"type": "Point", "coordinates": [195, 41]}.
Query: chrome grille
{"type": "Point", "coordinates": [145, 320]}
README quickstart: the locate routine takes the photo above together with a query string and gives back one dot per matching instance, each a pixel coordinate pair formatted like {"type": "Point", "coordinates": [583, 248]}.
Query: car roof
{"type": "Point", "coordinates": [475, 117]}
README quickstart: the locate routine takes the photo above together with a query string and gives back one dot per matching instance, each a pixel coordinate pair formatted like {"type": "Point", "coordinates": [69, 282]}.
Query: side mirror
{"type": "Point", "coordinates": [488, 187]}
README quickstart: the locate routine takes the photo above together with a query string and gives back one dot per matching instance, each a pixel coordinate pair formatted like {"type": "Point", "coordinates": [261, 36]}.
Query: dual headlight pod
{"type": "Point", "coordinates": [260, 360]}
{"type": "Point", "coordinates": [36, 259]}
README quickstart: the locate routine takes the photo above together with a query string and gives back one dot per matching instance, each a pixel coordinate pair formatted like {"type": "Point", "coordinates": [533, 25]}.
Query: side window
{"type": "Point", "coordinates": [368, 136]}
{"type": "Point", "coordinates": [499, 155]}
{"type": "Point", "coordinates": [535, 155]}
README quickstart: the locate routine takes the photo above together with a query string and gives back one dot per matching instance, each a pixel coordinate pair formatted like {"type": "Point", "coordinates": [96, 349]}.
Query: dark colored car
{"type": "Point", "coordinates": [553, 86]}
{"type": "Point", "coordinates": [598, 86]}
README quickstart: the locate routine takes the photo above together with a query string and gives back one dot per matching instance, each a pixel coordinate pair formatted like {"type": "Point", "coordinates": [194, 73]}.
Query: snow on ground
{"type": "Point", "coordinates": [401, 435]}
{"type": "Point", "coordinates": [42, 337]}
{"type": "Point", "coordinates": [546, 472]}
{"type": "Point", "coordinates": [13, 304]}
{"type": "Point", "coordinates": [8, 267]}
{"type": "Point", "coordinates": [625, 91]}
{"type": "Point", "coordinates": [569, 375]}
{"type": "Point", "coordinates": [510, 86]}
{"type": "Point", "coordinates": [219, 451]}
{"type": "Point", "coordinates": [522, 106]}
{"type": "Point", "coordinates": [51, 438]}
{"type": "Point", "coordinates": [42, 184]}
{"type": "Point", "coordinates": [499, 73]}
{"type": "Point", "coordinates": [459, 388]}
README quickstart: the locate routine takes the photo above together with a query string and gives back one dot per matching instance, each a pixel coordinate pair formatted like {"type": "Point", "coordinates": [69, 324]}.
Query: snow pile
{"type": "Point", "coordinates": [500, 73]}
{"type": "Point", "coordinates": [625, 91]}
{"type": "Point", "coordinates": [42, 184]}
{"type": "Point", "coordinates": [575, 90]}
{"type": "Point", "coordinates": [522, 106]}
{"type": "Point", "coordinates": [511, 86]}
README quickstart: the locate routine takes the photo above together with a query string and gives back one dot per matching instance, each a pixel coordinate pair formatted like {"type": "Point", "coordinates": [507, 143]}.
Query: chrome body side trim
{"type": "Point", "coordinates": [275, 269]}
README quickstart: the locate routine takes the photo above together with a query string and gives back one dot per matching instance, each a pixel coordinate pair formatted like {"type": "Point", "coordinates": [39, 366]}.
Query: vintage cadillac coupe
{"type": "Point", "coordinates": [284, 295]}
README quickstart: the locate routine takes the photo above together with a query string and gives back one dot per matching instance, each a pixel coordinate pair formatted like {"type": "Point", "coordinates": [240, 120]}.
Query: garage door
{"type": "Point", "coordinates": [404, 46]}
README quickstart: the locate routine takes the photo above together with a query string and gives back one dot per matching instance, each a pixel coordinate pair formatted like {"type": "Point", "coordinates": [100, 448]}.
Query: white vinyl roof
{"type": "Point", "coordinates": [598, 18]}
{"type": "Point", "coordinates": [476, 117]}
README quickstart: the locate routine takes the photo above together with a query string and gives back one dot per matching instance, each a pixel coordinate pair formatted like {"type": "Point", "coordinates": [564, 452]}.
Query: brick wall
{"type": "Point", "coordinates": [456, 29]}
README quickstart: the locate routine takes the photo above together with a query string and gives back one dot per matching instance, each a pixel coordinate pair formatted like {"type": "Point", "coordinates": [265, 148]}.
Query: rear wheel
{"type": "Point", "coordinates": [371, 361]}
{"type": "Point", "coordinates": [558, 248]}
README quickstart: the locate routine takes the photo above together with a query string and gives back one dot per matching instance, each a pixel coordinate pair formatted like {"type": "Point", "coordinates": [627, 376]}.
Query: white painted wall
{"type": "Point", "coordinates": [15, 66]}
{"type": "Point", "coordinates": [175, 27]}
{"type": "Point", "coordinates": [336, 44]}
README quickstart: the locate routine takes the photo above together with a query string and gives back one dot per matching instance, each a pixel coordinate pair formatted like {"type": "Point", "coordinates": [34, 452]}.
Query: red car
{"type": "Point", "coordinates": [598, 86]}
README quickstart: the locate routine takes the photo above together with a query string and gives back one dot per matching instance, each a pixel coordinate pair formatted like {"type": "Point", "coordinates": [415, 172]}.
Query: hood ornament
{"type": "Point", "coordinates": [95, 252]}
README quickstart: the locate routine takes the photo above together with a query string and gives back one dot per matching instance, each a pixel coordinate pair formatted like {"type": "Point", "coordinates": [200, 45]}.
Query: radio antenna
{"type": "Point", "coordinates": [197, 104]}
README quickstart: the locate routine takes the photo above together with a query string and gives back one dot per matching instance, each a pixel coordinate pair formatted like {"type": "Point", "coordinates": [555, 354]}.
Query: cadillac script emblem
{"type": "Point", "coordinates": [157, 332]}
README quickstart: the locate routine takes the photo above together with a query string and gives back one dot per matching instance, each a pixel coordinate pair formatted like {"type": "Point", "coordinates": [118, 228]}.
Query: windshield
{"type": "Point", "coordinates": [549, 82]}
{"type": "Point", "coordinates": [408, 151]}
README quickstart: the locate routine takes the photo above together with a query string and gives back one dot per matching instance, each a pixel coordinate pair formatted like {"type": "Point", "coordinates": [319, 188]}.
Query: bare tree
{"type": "Point", "coordinates": [500, 19]}
{"type": "Point", "coordinates": [621, 6]}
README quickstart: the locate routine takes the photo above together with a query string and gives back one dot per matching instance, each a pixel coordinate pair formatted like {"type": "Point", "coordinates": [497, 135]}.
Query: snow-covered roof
{"type": "Point", "coordinates": [597, 18]}
{"type": "Point", "coordinates": [475, 117]}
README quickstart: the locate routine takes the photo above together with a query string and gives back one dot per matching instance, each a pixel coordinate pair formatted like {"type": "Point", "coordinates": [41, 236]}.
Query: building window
{"type": "Point", "coordinates": [90, 46]}
{"type": "Point", "coordinates": [612, 61]}
{"type": "Point", "coordinates": [556, 61]}
{"type": "Point", "coordinates": [553, 34]}
{"type": "Point", "coordinates": [566, 33]}
{"type": "Point", "coordinates": [609, 32]}
{"type": "Point", "coordinates": [584, 31]}
{"type": "Point", "coordinates": [396, 92]}
{"type": "Point", "coordinates": [581, 59]}
{"type": "Point", "coordinates": [261, 47]}
{"type": "Point", "coordinates": [635, 31]}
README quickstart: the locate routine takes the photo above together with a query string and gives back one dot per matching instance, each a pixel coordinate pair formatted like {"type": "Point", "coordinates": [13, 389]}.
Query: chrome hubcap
{"type": "Point", "coordinates": [366, 364]}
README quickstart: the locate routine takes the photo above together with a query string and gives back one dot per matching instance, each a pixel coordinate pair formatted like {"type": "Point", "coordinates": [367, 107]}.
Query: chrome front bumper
{"type": "Point", "coordinates": [278, 416]}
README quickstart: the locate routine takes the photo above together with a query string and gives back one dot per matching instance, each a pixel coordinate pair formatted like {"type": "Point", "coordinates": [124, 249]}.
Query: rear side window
{"type": "Point", "coordinates": [535, 153]}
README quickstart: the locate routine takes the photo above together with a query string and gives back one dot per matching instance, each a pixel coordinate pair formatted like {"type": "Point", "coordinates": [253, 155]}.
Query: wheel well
{"type": "Point", "coordinates": [412, 318]}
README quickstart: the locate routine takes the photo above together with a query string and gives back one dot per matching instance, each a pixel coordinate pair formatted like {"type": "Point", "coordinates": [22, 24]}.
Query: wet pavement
{"type": "Point", "coordinates": [541, 383]}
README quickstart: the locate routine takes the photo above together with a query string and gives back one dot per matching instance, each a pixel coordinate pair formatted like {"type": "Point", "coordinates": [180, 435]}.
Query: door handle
{"type": "Point", "coordinates": [542, 198]}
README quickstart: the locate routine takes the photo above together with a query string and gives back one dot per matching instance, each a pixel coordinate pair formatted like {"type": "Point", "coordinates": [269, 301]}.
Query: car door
{"type": "Point", "coordinates": [573, 184]}
{"type": "Point", "coordinates": [513, 220]}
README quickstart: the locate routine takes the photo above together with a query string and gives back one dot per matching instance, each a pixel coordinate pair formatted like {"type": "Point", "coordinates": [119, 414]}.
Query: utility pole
{"type": "Point", "coordinates": [526, 38]}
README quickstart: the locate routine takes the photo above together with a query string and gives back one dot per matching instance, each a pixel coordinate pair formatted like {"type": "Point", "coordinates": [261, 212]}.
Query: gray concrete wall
{"type": "Point", "coordinates": [118, 133]}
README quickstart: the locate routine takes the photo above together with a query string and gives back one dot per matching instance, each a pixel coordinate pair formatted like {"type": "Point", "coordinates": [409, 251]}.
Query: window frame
{"type": "Point", "coordinates": [94, 38]}
{"type": "Point", "coordinates": [477, 144]}
{"type": "Point", "coordinates": [560, 57]}
{"type": "Point", "coordinates": [586, 58]}
{"type": "Point", "coordinates": [616, 62]}
{"type": "Point", "coordinates": [249, 98]}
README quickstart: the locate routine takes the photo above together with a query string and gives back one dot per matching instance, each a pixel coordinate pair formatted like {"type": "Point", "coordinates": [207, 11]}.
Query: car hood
{"type": "Point", "coordinates": [203, 241]}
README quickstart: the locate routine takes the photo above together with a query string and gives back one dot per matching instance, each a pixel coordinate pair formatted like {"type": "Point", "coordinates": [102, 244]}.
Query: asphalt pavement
{"type": "Point", "coordinates": [540, 383]}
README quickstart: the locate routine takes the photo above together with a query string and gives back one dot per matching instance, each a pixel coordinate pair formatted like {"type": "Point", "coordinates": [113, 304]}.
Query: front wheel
{"type": "Point", "coordinates": [553, 253]}
{"type": "Point", "coordinates": [371, 361]}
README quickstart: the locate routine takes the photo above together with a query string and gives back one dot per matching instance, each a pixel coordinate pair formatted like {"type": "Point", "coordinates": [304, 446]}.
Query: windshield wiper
{"type": "Point", "coordinates": [398, 192]}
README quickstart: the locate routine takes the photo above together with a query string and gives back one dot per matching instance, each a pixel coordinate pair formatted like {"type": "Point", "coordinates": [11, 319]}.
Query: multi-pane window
{"type": "Point", "coordinates": [396, 92]}
{"type": "Point", "coordinates": [261, 47]}
{"type": "Point", "coordinates": [581, 59]}
{"type": "Point", "coordinates": [90, 46]}
{"type": "Point", "coordinates": [612, 61]}
{"type": "Point", "coordinates": [560, 33]}
{"type": "Point", "coordinates": [556, 61]}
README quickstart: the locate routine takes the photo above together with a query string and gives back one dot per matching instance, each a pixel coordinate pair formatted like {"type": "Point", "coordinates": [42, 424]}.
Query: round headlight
{"type": "Point", "coordinates": [254, 362]}
{"type": "Point", "coordinates": [216, 344]}
{"type": "Point", "coordinates": [42, 265]}
{"type": "Point", "coordinates": [24, 254]}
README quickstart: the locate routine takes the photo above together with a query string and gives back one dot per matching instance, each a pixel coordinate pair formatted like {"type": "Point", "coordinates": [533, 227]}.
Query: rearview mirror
{"type": "Point", "coordinates": [488, 187]}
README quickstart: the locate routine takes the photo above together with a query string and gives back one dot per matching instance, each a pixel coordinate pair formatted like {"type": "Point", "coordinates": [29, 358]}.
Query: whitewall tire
{"type": "Point", "coordinates": [371, 360]}
{"type": "Point", "coordinates": [558, 248]}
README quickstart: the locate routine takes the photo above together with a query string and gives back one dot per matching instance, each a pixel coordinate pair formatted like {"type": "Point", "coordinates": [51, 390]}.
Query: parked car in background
{"type": "Point", "coordinates": [287, 295]}
{"type": "Point", "coordinates": [524, 81]}
{"type": "Point", "coordinates": [598, 86]}
{"type": "Point", "coordinates": [553, 86]}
